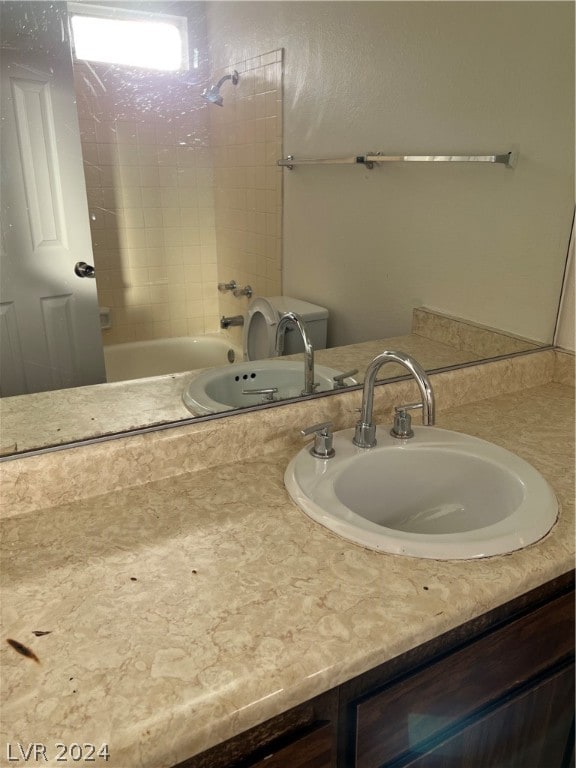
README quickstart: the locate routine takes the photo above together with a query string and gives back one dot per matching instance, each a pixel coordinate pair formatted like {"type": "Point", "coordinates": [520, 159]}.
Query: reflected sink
{"type": "Point", "coordinates": [221, 389]}
{"type": "Point", "coordinates": [440, 494]}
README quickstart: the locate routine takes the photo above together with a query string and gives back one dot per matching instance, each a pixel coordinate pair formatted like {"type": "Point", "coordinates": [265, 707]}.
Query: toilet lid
{"type": "Point", "coordinates": [260, 330]}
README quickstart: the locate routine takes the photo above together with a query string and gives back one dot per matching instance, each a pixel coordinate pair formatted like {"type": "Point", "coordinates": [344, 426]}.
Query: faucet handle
{"type": "Point", "coordinates": [403, 421]}
{"type": "Point", "coordinates": [246, 291]}
{"type": "Point", "coordinates": [408, 407]}
{"type": "Point", "coordinates": [339, 378]}
{"type": "Point", "coordinates": [322, 448]}
{"type": "Point", "coordinates": [267, 392]}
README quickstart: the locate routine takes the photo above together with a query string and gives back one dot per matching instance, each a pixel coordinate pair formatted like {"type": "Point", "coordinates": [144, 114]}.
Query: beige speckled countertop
{"type": "Point", "coordinates": [185, 610]}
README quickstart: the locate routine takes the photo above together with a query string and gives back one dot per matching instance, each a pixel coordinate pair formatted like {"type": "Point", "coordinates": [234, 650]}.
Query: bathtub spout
{"type": "Point", "coordinates": [226, 322]}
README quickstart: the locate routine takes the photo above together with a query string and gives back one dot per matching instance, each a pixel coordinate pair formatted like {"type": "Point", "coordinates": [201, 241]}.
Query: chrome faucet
{"type": "Point", "coordinates": [365, 434]}
{"type": "Point", "coordinates": [226, 322]}
{"type": "Point", "coordinates": [295, 319]}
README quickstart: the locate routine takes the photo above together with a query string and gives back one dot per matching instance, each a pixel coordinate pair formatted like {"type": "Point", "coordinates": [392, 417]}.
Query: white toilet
{"type": "Point", "coordinates": [262, 319]}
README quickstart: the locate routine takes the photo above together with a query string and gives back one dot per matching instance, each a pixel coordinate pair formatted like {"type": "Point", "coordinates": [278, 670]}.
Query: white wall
{"type": "Point", "coordinates": [482, 242]}
{"type": "Point", "coordinates": [565, 331]}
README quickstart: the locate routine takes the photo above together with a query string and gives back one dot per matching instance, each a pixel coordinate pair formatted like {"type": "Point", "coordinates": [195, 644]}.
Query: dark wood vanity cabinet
{"type": "Point", "coordinates": [303, 737]}
{"type": "Point", "coordinates": [528, 730]}
{"type": "Point", "coordinates": [495, 693]}
{"type": "Point", "coordinates": [503, 699]}
{"type": "Point", "coordinates": [312, 749]}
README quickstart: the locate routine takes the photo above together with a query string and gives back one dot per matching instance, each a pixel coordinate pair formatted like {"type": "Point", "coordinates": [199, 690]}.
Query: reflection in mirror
{"type": "Point", "coordinates": [169, 194]}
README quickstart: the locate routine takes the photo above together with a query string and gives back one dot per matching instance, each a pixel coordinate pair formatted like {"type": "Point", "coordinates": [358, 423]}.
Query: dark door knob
{"type": "Point", "coordinates": [83, 270]}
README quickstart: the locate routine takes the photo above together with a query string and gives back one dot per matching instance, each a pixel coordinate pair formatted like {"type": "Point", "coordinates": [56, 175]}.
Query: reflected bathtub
{"type": "Point", "coordinates": [141, 359]}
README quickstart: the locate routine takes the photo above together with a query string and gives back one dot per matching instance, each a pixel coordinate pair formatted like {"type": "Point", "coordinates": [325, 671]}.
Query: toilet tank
{"type": "Point", "coordinates": [315, 317]}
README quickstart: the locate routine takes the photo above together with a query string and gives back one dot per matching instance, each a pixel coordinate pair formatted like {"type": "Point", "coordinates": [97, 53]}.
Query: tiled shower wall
{"type": "Point", "coordinates": [246, 139]}
{"type": "Point", "coordinates": [181, 194]}
{"type": "Point", "coordinates": [149, 179]}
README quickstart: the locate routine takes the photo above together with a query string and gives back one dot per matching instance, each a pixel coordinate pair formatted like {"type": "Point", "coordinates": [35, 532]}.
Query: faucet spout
{"type": "Point", "coordinates": [365, 434]}
{"type": "Point", "coordinates": [292, 318]}
{"type": "Point", "coordinates": [226, 322]}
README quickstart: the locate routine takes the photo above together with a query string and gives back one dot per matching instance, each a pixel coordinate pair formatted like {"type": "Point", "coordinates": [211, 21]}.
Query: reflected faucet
{"type": "Point", "coordinates": [295, 319]}
{"type": "Point", "coordinates": [365, 434]}
{"type": "Point", "coordinates": [227, 322]}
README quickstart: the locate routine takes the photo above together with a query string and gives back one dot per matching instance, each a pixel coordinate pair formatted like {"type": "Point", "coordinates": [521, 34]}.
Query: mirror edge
{"type": "Point", "coordinates": [193, 420]}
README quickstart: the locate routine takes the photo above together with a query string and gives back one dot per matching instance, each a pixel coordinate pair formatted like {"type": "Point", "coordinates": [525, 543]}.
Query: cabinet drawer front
{"type": "Point", "coordinates": [530, 729]}
{"type": "Point", "coordinates": [312, 750]}
{"type": "Point", "coordinates": [408, 712]}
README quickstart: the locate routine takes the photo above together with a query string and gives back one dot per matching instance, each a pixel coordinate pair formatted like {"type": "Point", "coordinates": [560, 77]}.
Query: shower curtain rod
{"type": "Point", "coordinates": [371, 159]}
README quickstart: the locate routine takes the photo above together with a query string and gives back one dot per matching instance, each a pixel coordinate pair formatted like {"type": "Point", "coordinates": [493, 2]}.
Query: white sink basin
{"type": "Point", "coordinates": [440, 494]}
{"type": "Point", "coordinates": [221, 389]}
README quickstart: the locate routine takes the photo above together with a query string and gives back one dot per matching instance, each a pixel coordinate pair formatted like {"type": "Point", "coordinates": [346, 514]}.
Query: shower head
{"type": "Point", "coordinates": [212, 94]}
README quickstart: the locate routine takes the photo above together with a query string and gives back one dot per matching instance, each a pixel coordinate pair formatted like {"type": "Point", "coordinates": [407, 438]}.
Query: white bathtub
{"type": "Point", "coordinates": [140, 359]}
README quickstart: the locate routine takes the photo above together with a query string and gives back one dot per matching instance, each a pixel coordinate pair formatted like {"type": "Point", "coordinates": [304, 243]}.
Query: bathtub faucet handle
{"type": "Point", "coordinates": [246, 291]}
{"type": "Point", "coordinates": [231, 286]}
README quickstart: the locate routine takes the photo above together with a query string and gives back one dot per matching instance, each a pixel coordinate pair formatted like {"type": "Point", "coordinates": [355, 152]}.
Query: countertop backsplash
{"type": "Point", "coordinates": [56, 477]}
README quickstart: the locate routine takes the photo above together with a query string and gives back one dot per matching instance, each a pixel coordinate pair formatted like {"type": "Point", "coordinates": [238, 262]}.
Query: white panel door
{"type": "Point", "coordinates": [49, 323]}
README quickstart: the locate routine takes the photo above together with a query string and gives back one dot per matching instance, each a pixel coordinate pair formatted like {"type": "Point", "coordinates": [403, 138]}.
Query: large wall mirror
{"type": "Point", "coordinates": [144, 209]}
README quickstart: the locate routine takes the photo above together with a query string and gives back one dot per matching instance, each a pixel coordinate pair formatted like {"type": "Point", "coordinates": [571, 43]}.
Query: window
{"type": "Point", "coordinates": [129, 38]}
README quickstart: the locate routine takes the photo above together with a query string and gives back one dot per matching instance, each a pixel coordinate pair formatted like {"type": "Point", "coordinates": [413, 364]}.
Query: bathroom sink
{"type": "Point", "coordinates": [440, 494]}
{"type": "Point", "coordinates": [222, 389]}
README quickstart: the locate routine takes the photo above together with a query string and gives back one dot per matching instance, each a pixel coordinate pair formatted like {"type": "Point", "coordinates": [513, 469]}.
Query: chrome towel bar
{"type": "Point", "coordinates": [369, 160]}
